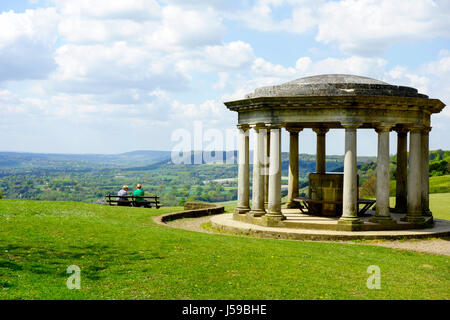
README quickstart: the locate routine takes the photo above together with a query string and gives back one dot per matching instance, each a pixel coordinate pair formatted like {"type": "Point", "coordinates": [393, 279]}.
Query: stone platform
{"type": "Point", "coordinates": [304, 227]}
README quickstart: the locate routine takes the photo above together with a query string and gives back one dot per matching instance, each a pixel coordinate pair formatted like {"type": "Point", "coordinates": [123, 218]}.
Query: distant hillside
{"type": "Point", "coordinates": [17, 160]}
{"type": "Point", "coordinates": [439, 162]}
{"type": "Point", "coordinates": [90, 177]}
{"type": "Point", "coordinates": [147, 159]}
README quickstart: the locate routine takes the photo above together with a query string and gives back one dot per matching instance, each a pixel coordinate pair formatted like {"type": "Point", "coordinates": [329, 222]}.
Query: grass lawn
{"type": "Point", "coordinates": [124, 255]}
{"type": "Point", "coordinates": [439, 205]}
{"type": "Point", "coordinates": [438, 184]}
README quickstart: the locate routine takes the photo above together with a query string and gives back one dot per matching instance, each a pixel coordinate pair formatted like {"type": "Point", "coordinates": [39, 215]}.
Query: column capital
{"type": "Point", "coordinates": [258, 126]}
{"type": "Point", "coordinates": [383, 127]}
{"type": "Point", "coordinates": [401, 130]}
{"type": "Point", "coordinates": [243, 127]}
{"type": "Point", "coordinates": [273, 125]}
{"type": "Point", "coordinates": [426, 130]}
{"type": "Point", "coordinates": [321, 130]}
{"type": "Point", "coordinates": [351, 125]}
{"type": "Point", "coordinates": [294, 130]}
{"type": "Point", "coordinates": [416, 128]}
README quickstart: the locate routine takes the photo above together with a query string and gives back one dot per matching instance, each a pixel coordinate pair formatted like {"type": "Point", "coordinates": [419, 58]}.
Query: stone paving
{"type": "Point", "coordinates": [225, 222]}
{"type": "Point", "coordinates": [429, 246]}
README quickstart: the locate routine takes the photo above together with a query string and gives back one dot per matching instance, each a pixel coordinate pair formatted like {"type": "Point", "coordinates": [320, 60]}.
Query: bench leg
{"type": "Point", "coordinates": [364, 209]}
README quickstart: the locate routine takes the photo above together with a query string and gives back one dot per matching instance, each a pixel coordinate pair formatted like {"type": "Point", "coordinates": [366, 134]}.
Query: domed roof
{"type": "Point", "coordinates": [335, 85]}
{"type": "Point", "coordinates": [336, 78]}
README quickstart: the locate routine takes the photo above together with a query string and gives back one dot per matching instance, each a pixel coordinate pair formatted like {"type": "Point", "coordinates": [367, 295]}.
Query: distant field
{"type": "Point", "coordinates": [440, 184]}
{"type": "Point", "coordinates": [123, 254]}
{"type": "Point", "coordinates": [439, 205]}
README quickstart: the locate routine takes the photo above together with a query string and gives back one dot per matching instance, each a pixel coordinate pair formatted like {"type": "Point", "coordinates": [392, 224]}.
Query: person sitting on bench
{"type": "Point", "coordinates": [140, 202]}
{"type": "Point", "coordinates": [123, 199]}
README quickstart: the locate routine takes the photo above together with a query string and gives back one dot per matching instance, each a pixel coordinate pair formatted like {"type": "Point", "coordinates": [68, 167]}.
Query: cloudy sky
{"type": "Point", "coordinates": [110, 76]}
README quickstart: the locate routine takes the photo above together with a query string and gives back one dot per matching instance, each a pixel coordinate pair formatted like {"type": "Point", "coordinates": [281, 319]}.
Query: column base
{"type": "Point", "coordinates": [273, 220]}
{"type": "Point", "coordinates": [242, 210]}
{"type": "Point", "coordinates": [414, 219]}
{"type": "Point", "coordinates": [350, 224]}
{"type": "Point", "coordinates": [382, 220]}
{"type": "Point", "coordinates": [427, 213]}
{"type": "Point", "coordinates": [398, 210]}
{"type": "Point", "coordinates": [257, 212]}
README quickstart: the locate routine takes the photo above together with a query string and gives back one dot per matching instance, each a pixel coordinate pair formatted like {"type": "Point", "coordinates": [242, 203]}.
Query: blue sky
{"type": "Point", "coordinates": [110, 76]}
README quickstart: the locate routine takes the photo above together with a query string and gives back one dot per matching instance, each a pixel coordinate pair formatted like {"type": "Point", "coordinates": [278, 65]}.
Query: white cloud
{"type": "Point", "coordinates": [211, 112]}
{"type": "Point", "coordinates": [112, 46]}
{"type": "Point", "coordinates": [100, 68]}
{"type": "Point", "coordinates": [363, 27]}
{"type": "Point", "coordinates": [264, 73]}
{"type": "Point", "coordinates": [189, 28]}
{"type": "Point", "coordinates": [351, 65]}
{"type": "Point", "coordinates": [305, 66]}
{"type": "Point", "coordinates": [261, 16]}
{"type": "Point", "coordinates": [81, 30]}
{"type": "Point", "coordinates": [27, 43]}
{"type": "Point", "coordinates": [368, 26]}
{"type": "Point", "coordinates": [136, 65]}
{"type": "Point", "coordinates": [110, 9]}
{"type": "Point", "coordinates": [441, 66]}
{"type": "Point", "coordinates": [233, 55]}
{"type": "Point", "coordinates": [223, 80]}
{"type": "Point", "coordinates": [138, 21]}
{"type": "Point", "coordinates": [262, 67]}
{"type": "Point", "coordinates": [402, 76]}
{"type": "Point", "coordinates": [34, 25]}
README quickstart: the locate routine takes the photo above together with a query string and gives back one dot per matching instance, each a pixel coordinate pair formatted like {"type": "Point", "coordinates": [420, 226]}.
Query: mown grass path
{"type": "Point", "coordinates": [123, 254]}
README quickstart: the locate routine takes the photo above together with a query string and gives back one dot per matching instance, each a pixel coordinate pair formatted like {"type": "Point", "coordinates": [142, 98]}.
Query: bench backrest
{"type": "Point", "coordinates": [131, 199]}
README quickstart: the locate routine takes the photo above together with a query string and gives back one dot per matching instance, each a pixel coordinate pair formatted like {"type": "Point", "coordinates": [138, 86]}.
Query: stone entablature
{"type": "Point", "coordinates": [330, 111]}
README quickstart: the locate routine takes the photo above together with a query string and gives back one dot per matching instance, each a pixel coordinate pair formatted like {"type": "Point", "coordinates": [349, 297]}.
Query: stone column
{"type": "Point", "coordinates": [266, 167]}
{"type": "Point", "coordinates": [243, 171]}
{"type": "Point", "coordinates": [258, 173]}
{"type": "Point", "coordinates": [414, 212]}
{"type": "Point", "coordinates": [274, 209]}
{"type": "Point", "coordinates": [402, 171]}
{"type": "Point", "coordinates": [426, 173]}
{"type": "Point", "coordinates": [320, 149]}
{"type": "Point", "coordinates": [382, 214]}
{"type": "Point", "coordinates": [350, 197]}
{"type": "Point", "coordinates": [293, 166]}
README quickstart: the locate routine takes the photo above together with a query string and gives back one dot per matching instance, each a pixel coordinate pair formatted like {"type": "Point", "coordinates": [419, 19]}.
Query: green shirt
{"type": "Point", "coordinates": [138, 193]}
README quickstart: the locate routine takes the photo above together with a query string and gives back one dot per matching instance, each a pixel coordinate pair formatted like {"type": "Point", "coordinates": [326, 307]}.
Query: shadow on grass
{"type": "Point", "coordinates": [48, 261]}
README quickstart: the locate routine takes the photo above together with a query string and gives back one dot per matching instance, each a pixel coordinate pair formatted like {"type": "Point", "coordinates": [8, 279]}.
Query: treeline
{"type": "Point", "coordinates": [438, 166]}
{"type": "Point", "coordinates": [175, 184]}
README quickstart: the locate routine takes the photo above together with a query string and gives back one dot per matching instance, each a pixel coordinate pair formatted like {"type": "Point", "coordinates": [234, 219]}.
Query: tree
{"type": "Point", "coordinates": [369, 188]}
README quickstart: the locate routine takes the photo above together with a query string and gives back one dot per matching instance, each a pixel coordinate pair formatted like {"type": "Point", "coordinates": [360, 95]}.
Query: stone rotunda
{"type": "Point", "coordinates": [322, 103]}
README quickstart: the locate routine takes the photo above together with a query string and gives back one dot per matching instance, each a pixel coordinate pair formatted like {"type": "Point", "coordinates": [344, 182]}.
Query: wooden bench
{"type": "Point", "coordinates": [367, 203]}
{"type": "Point", "coordinates": [305, 203]}
{"type": "Point", "coordinates": [132, 201]}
